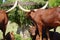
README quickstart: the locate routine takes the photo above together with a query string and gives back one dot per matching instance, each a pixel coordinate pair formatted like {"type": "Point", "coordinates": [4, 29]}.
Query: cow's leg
{"type": "Point", "coordinates": [4, 30]}
{"type": "Point", "coordinates": [40, 31]}
{"type": "Point", "coordinates": [54, 33]}
{"type": "Point", "coordinates": [55, 29]}
{"type": "Point", "coordinates": [37, 37]}
{"type": "Point", "coordinates": [47, 32]}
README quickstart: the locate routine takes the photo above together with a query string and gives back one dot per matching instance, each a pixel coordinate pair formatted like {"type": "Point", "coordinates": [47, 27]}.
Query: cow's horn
{"type": "Point", "coordinates": [12, 7]}
{"type": "Point", "coordinates": [34, 9]}
{"type": "Point", "coordinates": [23, 8]}
{"type": "Point", "coordinates": [44, 5]}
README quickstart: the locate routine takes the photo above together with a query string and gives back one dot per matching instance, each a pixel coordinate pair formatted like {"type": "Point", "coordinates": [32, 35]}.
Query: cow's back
{"type": "Point", "coordinates": [48, 16]}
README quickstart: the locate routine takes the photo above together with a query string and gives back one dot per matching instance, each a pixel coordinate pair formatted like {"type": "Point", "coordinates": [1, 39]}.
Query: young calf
{"type": "Point", "coordinates": [10, 36]}
{"type": "Point", "coordinates": [33, 32]}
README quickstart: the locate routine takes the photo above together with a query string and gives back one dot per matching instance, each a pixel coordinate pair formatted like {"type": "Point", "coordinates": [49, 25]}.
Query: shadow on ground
{"type": "Point", "coordinates": [53, 36]}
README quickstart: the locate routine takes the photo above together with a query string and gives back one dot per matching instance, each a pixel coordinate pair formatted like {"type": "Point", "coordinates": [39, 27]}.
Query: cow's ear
{"type": "Point", "coordinates": [12, 32]}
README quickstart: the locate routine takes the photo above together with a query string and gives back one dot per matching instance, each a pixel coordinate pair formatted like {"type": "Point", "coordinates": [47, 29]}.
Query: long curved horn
{"type": "Point", "coordinates": [12, 7]}
{"type": "Point", "coordinates": [23, 8]}
{"type": "Point", "coordinates": [44, 5]}
{"type": "Point", "coordinates": [34, 9]}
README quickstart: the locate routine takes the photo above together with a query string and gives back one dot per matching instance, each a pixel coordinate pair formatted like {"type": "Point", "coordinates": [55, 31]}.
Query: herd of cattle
{"type": "Point", "coordinates": [43, 19]}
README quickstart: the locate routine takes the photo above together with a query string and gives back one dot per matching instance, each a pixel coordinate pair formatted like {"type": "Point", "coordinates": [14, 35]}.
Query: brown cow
{"type": "Point", "coordinates": [44, 18]}
{"type": "Point", "coordinates": [35, 16]}
{"type": "Point", "coordinates": [4, 19]}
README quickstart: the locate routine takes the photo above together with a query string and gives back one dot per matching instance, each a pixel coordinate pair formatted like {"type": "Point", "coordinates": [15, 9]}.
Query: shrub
{"type": "Point", "coordinates": [17, 37]}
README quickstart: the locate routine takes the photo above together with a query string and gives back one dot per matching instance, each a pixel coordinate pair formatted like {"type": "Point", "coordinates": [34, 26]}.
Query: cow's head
{"type": "Point", "coordinates": [32, 30]}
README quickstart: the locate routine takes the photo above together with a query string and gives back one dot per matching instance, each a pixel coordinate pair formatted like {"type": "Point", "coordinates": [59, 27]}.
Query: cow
{"type": "Point", "coordinates": [10, 36]}
{"type": "Point", "coordinates": [4, 19]}
{"type": "Point", "coordinates": [44, 18]}
{"type": "Point", "coordinates": [30, 11]}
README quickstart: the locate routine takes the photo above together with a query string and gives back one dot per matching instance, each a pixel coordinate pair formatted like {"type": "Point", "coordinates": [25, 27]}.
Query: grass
{"type": "Point", "coordinates": [0, 35]}
{"type": "Point", "coordinates": [12, 27]}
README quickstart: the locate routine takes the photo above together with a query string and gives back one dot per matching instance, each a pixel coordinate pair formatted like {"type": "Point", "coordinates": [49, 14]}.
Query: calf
{"type": "Point", "coordinates": [35, 34]}
{"type": "Point", "coordinates": [4, 19]}
{"type": "Point", "coordinates": [10, 36]}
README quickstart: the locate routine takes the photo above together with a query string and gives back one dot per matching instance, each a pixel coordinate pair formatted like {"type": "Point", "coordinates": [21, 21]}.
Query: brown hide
{"type": "Point", "coordinates": [3, 21]}
{"type": "Point", "coordinates": [46, 18]}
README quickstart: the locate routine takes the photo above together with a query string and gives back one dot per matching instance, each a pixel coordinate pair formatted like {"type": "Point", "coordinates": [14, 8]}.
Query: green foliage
{"type": "Point", "coordinates": [54, 3]}
{"type": "Point", "coordinates": [0, 2]}
{"type": "Point", "coordinates": [17, 37]}
{"type": "Point", "coordinates": [33, 0]}
{"type": "Point", "coordinates": [58, 2]}
{"type": "Point", "coordinates": [10, 0]}
{"type": "Point", "coordinates": [29, 38]}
